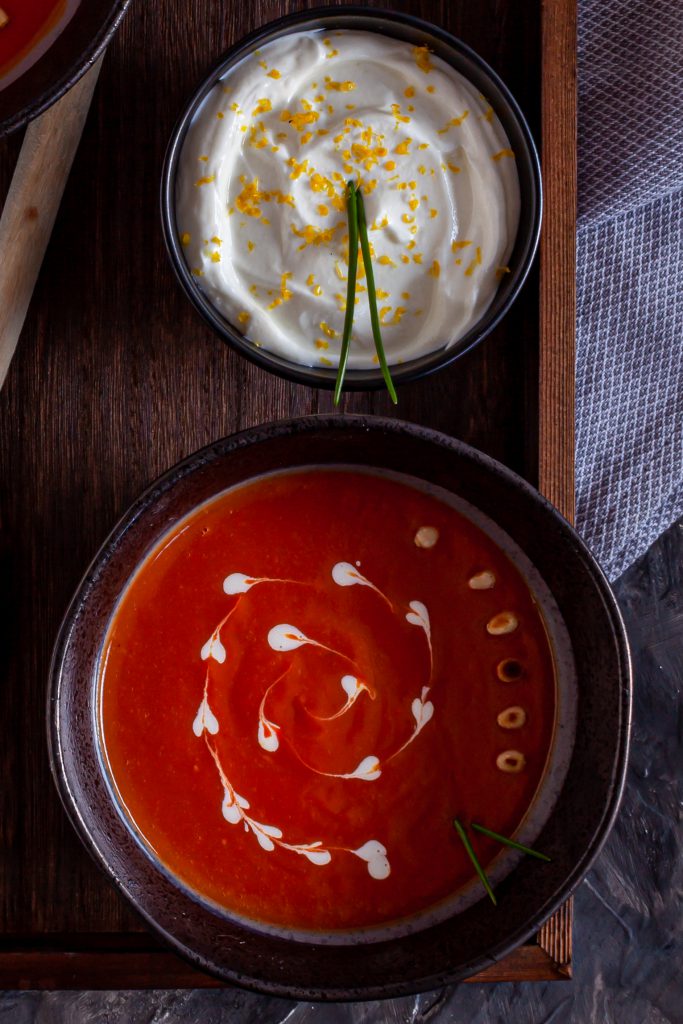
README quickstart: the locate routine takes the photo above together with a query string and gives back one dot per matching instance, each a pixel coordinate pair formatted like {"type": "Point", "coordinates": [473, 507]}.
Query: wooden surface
{"type": "Point", "coordinates": [116, 378]}
{"type": "Point", "coordinates": [558, 256]}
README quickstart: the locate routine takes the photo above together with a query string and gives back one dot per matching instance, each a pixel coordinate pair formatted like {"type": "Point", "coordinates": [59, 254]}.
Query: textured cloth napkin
{"type": "Point", "coordinates": [629, 447]}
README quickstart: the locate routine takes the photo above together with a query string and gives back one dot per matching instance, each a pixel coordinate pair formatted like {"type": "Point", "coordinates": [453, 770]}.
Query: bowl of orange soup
{"type": "Point", "coordinates": [299, 658]}
{"type": "Point", "coordinates": [45, 47]}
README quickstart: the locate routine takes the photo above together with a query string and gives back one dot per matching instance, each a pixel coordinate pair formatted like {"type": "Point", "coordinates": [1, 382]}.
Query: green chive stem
{"type": "Point", "coordinates": [473, 857]}
{"type": "Point", "coordinates": [509, 842]}
{"type": "Point", "coordinates": [352, 217]}
{"type": "Point", "coordinates": [372, 297]}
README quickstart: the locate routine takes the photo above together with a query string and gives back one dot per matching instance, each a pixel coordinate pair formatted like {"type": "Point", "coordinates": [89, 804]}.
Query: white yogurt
{"type": "Point", "coordinates": [261, 196]}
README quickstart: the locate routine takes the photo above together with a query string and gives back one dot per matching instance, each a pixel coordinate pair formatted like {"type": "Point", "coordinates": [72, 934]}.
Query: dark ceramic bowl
{"type": "Point", "coordinates": [454, 52]}
{"type": "Point", "coordinates": [574, 830]}
{"type": "Point", "coordinates": [72, 53]}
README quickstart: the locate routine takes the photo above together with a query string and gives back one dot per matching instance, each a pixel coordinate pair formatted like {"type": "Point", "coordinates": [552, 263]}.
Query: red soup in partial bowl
{"type": "Point", "coordinates": [27, 30]}
{"type": "Point", "coordinates": [309, 677]}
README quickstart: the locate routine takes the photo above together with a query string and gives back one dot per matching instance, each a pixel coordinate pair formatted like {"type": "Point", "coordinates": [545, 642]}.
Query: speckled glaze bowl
{"type": "Point", "coordinates": [573, 832]}
{"type": "Point", "coordinates": [454, 52]}
{"type": "Point", "coordinates": [72, 53]}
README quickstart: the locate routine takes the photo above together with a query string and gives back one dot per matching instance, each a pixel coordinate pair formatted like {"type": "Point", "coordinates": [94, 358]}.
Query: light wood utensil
{"type": "Point", "coordinates": [32, 203]}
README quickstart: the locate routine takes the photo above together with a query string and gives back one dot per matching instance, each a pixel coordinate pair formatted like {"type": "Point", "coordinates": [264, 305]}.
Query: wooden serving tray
{"type": "Point", "coordinates": [116, 378]}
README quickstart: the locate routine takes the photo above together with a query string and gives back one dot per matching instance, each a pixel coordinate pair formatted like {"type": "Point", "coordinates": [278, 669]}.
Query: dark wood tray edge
{"type": "Point", "coordinates": [129, 961]}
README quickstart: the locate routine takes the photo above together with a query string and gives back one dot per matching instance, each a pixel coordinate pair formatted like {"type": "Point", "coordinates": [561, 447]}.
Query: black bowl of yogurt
{"type": "Point", "coordinates": [254, 181]}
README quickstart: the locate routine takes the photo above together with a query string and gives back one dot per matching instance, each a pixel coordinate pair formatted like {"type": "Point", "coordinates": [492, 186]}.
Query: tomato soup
{"type": "Point", "coordinates": [307, 680]}
{"type": "Point", "coordinates": [28, 29]}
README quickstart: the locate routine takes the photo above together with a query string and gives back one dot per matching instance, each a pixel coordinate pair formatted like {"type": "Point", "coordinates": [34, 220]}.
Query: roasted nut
{"type": "Point", "coordinates": [482, 581]}
{"type": "Point", "coordinates": [511, 761]}
{"type": "Point", "coordinates": [509, 670]}
{"type": "Point", "coordinates": [512, 718]}
{"type": "Point", "coordinates": [504, 622]}
{"type": "Point", "coordinates": [426, 536]}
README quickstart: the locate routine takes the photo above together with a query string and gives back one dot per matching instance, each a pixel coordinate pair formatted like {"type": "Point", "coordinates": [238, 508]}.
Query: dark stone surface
{"type": "Point", "coordinates": [628, 934]}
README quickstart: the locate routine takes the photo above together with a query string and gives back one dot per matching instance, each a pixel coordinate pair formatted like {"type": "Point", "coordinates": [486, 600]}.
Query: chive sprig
{"type": "Point", "coordinates": [500, 839]}
{"type": "Point", "coordinates": [475, 861]}
{"type": "Point", "coordinates": [509, 842]}
{"type": "Point", "coordinates": [372, 297]}
{"type": "Point", "coordinates": [352, 215]}
{"type": "Point", "coordinates": [358, 231]}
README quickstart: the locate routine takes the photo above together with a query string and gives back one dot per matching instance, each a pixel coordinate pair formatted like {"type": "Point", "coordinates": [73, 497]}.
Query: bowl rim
{"type": "Point", "coordinates": [220, 450]}
{"type": "Point", "coordinates": [355, 379]}
{"type": "Point", "coordinates": [71, 70]}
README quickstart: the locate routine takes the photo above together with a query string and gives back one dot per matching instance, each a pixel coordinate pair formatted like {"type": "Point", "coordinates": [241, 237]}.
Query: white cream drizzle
{"type": "Point", "coordinates": [422, 711]}
{"type": "Point", "coordinates": [285, 638]}
{"type": "Point", "coordinates": [346, 575]}
{"type": "Point", "coordinates": [240, 583]}
{"type": "Point", "coordinates": [267, 730]}
{"type": "Point", "coordinates": [419, 616]}
{"type": "Point", "coordinates": [213, 648]}
{"type": "Point", "coordinates": [375, 854]}
{"type": "Point", "coordinates": [234, 808]}
{"type": "Point", "coordinates": [353, 688]}
{"type": "Point", "coordinates": [205, 719]}
{"type": "Point", "coordinates": [368, 770]}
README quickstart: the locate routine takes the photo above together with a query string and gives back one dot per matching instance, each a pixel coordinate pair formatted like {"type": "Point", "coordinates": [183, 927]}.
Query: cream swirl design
{"type": "Point", "coordinates": [261, 185]}
{"type": "Point", "coordinates": [285, 638]}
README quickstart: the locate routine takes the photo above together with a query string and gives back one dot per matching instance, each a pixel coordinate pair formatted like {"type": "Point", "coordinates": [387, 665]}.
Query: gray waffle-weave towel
{"type": "Point", "coordinates": [629, 447]}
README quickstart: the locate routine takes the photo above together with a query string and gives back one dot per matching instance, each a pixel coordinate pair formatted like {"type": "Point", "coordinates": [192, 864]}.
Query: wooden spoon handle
{"type": "Point", "coordinates": [33, 199]}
